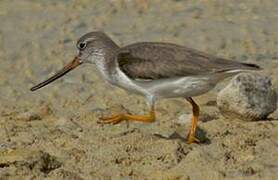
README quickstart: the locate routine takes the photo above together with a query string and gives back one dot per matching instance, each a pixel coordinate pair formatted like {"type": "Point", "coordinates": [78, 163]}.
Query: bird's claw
{"type": "Point", "coordinates": [192, 139]}
{"type": "Point", "coordinates": [111, 120]}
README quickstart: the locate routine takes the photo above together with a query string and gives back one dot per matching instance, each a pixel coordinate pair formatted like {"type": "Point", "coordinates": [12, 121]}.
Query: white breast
{"type": "Point", "coordinates": [123, 81]}
{"type": "Point", "coordinates": [115, 76]}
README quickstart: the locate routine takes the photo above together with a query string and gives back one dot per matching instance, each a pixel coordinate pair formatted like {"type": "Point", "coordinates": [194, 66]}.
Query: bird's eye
{"type": "Point", "coordinates": [82, 45]}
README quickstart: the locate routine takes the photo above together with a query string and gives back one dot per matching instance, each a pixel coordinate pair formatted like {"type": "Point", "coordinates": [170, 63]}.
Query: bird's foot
{"type": "Point", "coordinates": [111, 120]}
{"type": "Point", "coordinates": [127, 117]}
{"type": "Point", "coordinates": [191, 138]}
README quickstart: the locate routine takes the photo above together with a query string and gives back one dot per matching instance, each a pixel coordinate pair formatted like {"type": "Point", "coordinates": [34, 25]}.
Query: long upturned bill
{"type": "Point", "coordinates": [73, 64]}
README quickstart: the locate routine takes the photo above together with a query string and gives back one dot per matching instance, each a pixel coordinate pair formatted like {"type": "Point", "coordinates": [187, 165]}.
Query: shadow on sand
{"type": "Point", "coordinates": [201, 135]}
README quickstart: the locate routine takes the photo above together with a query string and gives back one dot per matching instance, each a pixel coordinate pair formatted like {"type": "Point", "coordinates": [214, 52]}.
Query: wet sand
{"type": "Point", "coordinates": [53, 133]}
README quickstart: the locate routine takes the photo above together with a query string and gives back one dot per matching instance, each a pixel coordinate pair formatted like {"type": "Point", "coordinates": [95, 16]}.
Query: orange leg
{"type": "Point", "coordinates": [128, 117]}
{"type": "Point", "coordinates": [195, 109]}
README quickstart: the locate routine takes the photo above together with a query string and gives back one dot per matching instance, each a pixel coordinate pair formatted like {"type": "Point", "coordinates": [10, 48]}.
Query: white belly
{"type": "Point", "coordinates": [169, 88]}
{"type": "Point", "coordinates": [179, 87]}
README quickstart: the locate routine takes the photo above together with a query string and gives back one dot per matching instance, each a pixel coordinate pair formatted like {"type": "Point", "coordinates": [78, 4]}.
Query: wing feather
{"type": "Point", "coordinates": [165, 60]}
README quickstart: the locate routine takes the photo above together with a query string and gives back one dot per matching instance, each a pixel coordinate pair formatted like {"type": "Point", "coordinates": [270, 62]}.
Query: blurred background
{"type": "Point", "coordinates": [38, 37]}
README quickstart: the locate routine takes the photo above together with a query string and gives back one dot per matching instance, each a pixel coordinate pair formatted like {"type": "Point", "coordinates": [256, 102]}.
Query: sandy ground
{"type": "Point", "coordinates": [53, 133]}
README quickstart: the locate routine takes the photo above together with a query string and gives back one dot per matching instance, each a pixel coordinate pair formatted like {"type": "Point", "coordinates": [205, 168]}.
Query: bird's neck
{"type": "Point", "coordinates": [106, 62]}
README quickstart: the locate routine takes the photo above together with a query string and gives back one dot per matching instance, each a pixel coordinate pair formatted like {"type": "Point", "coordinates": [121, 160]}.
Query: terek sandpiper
{"type": "Point", "coordinates": [153, 69]}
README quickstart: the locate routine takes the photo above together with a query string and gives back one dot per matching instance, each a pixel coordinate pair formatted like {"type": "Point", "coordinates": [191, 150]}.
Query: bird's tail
{"type": "Point", "coordinates": [241, 67]}
{"type": "Point", "coordinates": [250, 66]}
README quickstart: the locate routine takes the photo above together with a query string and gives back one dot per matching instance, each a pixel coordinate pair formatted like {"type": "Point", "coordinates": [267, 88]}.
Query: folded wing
{"type": "Point", "coordinates": [165, 60]}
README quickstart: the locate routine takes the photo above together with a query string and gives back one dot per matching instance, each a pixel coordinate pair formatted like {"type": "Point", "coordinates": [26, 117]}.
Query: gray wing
{"type": "Point", "coordinates": [164, 60]}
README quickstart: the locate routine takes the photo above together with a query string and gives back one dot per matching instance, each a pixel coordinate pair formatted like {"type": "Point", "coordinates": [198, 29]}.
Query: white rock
{"type": "Point", "coordinates": [248, 96]}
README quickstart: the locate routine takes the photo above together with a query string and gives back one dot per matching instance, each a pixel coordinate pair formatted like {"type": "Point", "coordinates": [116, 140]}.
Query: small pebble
{"type": "Point", "coordinates": [29, 116]}
{"type": "Point", "coordinates": [37, 114]}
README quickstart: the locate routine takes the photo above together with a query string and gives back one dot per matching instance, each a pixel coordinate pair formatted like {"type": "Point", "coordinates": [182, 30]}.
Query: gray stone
{"type": "Point", "coordinates": [248, 96]}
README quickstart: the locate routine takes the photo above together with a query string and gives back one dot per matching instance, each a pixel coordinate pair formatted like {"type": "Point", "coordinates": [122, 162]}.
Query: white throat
{"type": "Point", "coordinates": [98, 57]}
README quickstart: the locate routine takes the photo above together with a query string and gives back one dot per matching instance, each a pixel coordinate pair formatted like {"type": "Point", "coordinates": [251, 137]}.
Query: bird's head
{"type": "Point", "coordinates": [92, 47]}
